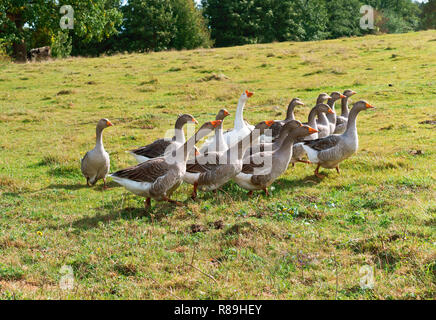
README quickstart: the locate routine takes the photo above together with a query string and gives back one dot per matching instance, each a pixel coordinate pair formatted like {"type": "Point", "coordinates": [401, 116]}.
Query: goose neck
{"type": "Point", "coordinates": [239, 119]}
{"type": "Point", "coordinates": [344, 107]}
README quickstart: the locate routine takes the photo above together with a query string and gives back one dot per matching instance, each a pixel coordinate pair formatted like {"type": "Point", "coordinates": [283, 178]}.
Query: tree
{"type": "Point", "coordinates": [428, 18]}
{"type": "Point", "coordinates": [396, 16]}
{"type": "Point", "coordinates": [154, 25]}
{"type": "Point", "coordinates": [36, 22]}
{"type": "Point", "coordinates": [191, 30]}
{"type": "Point", "coordinates": [343, 18]}
{"type": "Point", "coordinates": [235, 22]}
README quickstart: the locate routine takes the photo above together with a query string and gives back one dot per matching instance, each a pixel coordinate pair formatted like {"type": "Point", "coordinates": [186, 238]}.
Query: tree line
{"type": "Point", "coordinates": [110, 26]}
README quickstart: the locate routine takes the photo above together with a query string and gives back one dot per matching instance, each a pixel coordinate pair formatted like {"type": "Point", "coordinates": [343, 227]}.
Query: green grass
{"type": "Point", "coordinates": [308, 240]}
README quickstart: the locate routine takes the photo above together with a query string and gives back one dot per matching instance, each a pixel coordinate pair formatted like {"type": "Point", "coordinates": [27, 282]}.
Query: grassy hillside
{"type": "Point", "coordinates": [308, 240]}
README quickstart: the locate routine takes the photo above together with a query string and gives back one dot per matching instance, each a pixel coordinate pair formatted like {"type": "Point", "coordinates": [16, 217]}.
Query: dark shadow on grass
{"type": "Point", "coordinates": [289, 184]}
{"type": "Point", "coordinates": [67, 186]}
{"type": "Point", "coordinates": [156, 213]}
{"type": "Point", "coordinates": [77, 186]}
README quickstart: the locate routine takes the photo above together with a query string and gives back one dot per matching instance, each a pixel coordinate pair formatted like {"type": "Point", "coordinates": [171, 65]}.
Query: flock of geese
{"type": "Point", "coordinates": [252, 156]}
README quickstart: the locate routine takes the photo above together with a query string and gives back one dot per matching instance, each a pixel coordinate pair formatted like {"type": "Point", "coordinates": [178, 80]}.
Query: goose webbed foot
{"type": "Point", "coordinates": [104, 184]}
{"type": "Point", "coordinates": [317, 174]}
{"type": "Point", "coordinates": [147, 203]}
{"type": "Point", "coordinates": [177, 203]}
{"type": "Point", "coordinates": [304, 161]}
{"type": "Point", "coordinates": [87, 182]}
{"type": "Point", "coordinates": [194, 191]}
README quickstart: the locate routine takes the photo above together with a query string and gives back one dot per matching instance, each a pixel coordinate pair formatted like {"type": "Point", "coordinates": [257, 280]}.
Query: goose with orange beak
{"type": "Point", "coordinates": [322, 123]}
{"type": "Point", "coordinates": [335, 96]}
{"type": "Point", "coordinates": [158, 178]}
{"type": "Point", "coordinates": [261, 169]}
{"type": "Point", "coordinates": [330, 151]}
{"type": "Point", "coordinates": [219, 168]}
{"type": "Point", "coordinates": [341, 121]}
{"type": "Point", "coordinates": [96, 163]}
{"type": "Point", "coordinates": [218, 144]}
{"type": "Point", "coordinates": [164, 146]}
{"type": "Point", "coordinates": [241, 127]}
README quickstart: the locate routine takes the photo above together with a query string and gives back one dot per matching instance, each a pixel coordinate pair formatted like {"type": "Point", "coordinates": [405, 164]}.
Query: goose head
{"type": "Point", "coordinates": [245, 95]}
{"type": "Point", "coordinates": [303, 131]}
{"type": "Point", "coordinates": [324, 108]}
{"type": "Point", "coordinates": [222, 114]}
{"type": "Point", "coordinates": [262, 126]}
{"type": "Point", "coordinates": [103, 123]}
{"type": "Point", "coordinates": [296, 102]}
{"type": "Point", "coordinates": [348, 93]}
{"type": "Point", "coordinates": [211, 124]}
{"type": "Point", "coordinates": [362, 105]}
{"type": "Point", "coordinates": [184, 119]}
{"type": "Point", "coordinates": [292, 125]}
{"type": "Point", "coordinates": [322, 98]}
{"type": "Point", "coordinates": [336, 96]}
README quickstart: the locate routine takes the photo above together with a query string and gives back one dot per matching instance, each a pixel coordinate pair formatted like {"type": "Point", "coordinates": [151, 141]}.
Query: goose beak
{"type": "Point", "coordinates": [328, 97]}
{"type": "Point", "coordinates": [353, 92]}
{"type": "Point", "coordinates": [109, 124]}
{"type": "Point", "coordinates": [269, 123]}
{"type": "Point", "coordinates": [312, 130]}
{"type": "Point", "coordinates": [194, 120]}
{"type": "Point", "coordinates": [330, 111]}
{"type": "Point", "coordinates": [226, 113]}
{"type": "Point", "coordinates": [343, 96]}
{"type": "Point", "coordinates": [368, 106]}
{"type": "Point", "coordinates": [248, 93]}
{"type": "Point", "coordinates": [216, 123]}
{"type": "Point", "coordinates": [197, 153]}
{"type": "Point", "coordinates": [301, 103]}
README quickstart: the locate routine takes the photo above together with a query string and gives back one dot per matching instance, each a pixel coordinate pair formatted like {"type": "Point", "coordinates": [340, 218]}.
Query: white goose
{"type": "Point", "coordinates": [241, 127]}
{"type": "Point", "coordinates": [328, 152]}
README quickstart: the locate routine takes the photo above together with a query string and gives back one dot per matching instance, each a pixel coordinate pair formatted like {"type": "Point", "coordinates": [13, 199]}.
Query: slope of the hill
{"type": "Point", "coordinates": [310, 239]}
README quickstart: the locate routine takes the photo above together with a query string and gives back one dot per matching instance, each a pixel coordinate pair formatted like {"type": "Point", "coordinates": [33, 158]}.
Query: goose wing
{"type": "Point", "coordinates": [148, 171]}
{"type": "Point", "coordinates": [256, 160]}
{"type": "Point", "coordinates": [154, 149]}
{"type": "Point", "coordinates": [323, 143]}
{"type": "Point", "coordinates": [203, 164]}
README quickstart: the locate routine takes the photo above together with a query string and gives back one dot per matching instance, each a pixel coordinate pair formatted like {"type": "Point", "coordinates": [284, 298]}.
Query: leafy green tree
{"type": "Point", "coordinates": [396, 16]}
{"type": "Point", "coordinates": [191, 30]}
{"type": "Point", "coordinates": [235, 22]}
{"type": "Point", "coordinates": [154, 25]}
{"type": "Point", "coordinates": [36, 22]}
{"type": "Point", "coordinates": [230, 21]}
{"type": "Point", "coordinates": [343, 18]}
{"type": "Point", "coordinates": [312, 17]}
{"type": "Point", "coordinates": [428, 18]}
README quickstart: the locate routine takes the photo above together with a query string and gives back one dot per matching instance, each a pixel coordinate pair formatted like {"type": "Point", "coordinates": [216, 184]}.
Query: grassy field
{"type": "Point", "coordinates": [309, 240]}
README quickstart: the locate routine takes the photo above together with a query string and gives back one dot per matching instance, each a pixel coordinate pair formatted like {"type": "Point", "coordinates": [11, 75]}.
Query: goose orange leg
{"type": "Point", "coordinates": [147, 203]}
{"type": "Point", "coordinates": [304, 161]}
{"type": "Point", "coordinates": [317, 172]}
{"type": "Point", "coordinates": [194, 191]}
{"type": "Point", "coordinates": [177, 203]}
{"type": "Point", "coordinates": [104, 184]}
{"type": "Point", "coordinates": [250, 193]}
{"type": "Point", "coordinates": [266, 192]}
{"type": "Point", "coordinates": [337, 169]}
{"type": "Point", "coordinates": [87, 182]}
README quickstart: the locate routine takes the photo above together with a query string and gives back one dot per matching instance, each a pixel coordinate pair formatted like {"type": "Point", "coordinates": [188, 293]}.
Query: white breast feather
{"type": "Point", "coordinates": [311, 153]}
{"type": "Point", "coordinates": [138, 188]}
{"type": "Point", "coordinates": [190, 177]}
